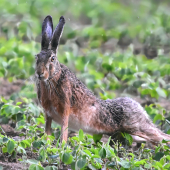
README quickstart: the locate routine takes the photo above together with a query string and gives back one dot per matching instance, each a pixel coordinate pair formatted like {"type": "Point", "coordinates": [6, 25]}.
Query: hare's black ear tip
{"type": "Point", "coordinates": [62, 19]}
{"type": "Point", "coordinates": [48, 17]}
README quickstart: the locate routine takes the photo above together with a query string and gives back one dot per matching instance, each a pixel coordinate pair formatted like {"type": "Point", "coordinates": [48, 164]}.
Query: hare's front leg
{"type": "Point", "coordinates": [48, 124]}
{"type": "Point", "coordinates": [64, 127]}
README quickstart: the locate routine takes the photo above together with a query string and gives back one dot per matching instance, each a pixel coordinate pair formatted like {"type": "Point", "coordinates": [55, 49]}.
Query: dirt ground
{"type": "Point", "coordinates": [7, 88]}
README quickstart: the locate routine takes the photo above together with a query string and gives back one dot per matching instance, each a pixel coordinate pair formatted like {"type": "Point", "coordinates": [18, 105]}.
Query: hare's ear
{"type": "Point", "coordinates": [47, 32]}
{"type": "Point", "coordinates": [57, 34]}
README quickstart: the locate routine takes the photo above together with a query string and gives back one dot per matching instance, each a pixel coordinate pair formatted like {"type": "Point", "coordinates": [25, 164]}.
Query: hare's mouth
{"type": "Point", "coordinates": [42, 77]}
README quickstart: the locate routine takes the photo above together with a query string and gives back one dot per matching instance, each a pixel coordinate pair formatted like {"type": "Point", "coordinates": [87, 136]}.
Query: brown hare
{"type": "Point", "coordinates": [67, 101]}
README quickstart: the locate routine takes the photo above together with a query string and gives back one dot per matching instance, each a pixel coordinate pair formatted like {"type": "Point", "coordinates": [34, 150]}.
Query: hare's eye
{"type": "Point", "coordinates": [52, 58]}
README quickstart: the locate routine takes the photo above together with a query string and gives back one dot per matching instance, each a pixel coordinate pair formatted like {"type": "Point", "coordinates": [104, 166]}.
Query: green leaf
{"type": "Point", "coordinates": [67, 158]}
{"type": "Point", "coordinates": [32, 161]}
{"type": "Point", "coordinates": [107, 66]}
{"type": "Point", "coordinates": [42, 154]}
{"type": "Point", "coordinates": [3, 100]}
{"type": "Point", "coordinates": [35, 167]}
{"type": "Point", "coordinates": [168, 157]}
{"type": "Point", "coordinates": [75, 138]}
{"type": "Point", "coordinates": [37, 144]}
{"type": "Point", "coordinates": [16, 110]}
{"type": "Point", "coordinates": [102, 153]}
{"type": "Point", "coordinates": [97, 137]}
{"type": "Point", "coordinates": [18, 103]}
{"type": "Point", "coordinates": [158, 164]}
{"type": "Point", "coordinates": [147, 166]}
{"type": "Point", "coordinates": [98, 160]}
{"type": "Point", "coordinates": [108, 153]}
{"type": "Point", "coordinates": [111, 164]}
{"type": "Point", "coordinates": [13, 155]}
{"type": "Point", "coordinates": [141, 162]}
{"type": "Point", "coordinates": [73, 165]}
{"type": "Point", "coordinates": [23, 144]}
{"type": "Point", "coordinates": [63, 144]}
{"type": "Point", "coordinates": [95, 156]}
{"type": "Point", "coordinates": [158, 117]}
{"type": "Point", "coordinates": [81, 135]}
{"type": "Point", "coordinates": [161, 92]}
{"type": "Point", "coordinates": [112, 151]}
{"type": "Point", "coordinates": [158, 156]}
{"type": "Point", "coordinates": [5, 139]}
{"type": "Point", "coordinates": [108, 142]}
{"type": "Point", "coordinates": [131, 154]}
{"type": "Point", "coordinates": [167, 166]}
{"type": "Point", "coordinates": [162, 161]}
{"type": "Point", "coordinates": [125, 164]}
{"type": "Point", "coordinates": [81, 163]}
{"type": "Point", "coordinates": [54, 156]}
{"type": "Point", "coordinates": [165, 141]}
{"type": "Point", "coordinates": [21, 150]}
{"type": "Point", "coordinates": [137, 168]}
{"type": "Point", "coordinates": [4, 149]}
{"type": "Point", "coordinates": [128, 137]}
{"type": "Point", "coordinates": [10, 146]}
{"type": "Point", "coordinates": [96, 165]}
{"type": "Point", "coordinates": [27, 142]}
{"type": "Point", "coordinates": [91, 167]}
{"type": "Point", "coordinates": [88, 152]}
{"type": "Point", "coordinates": [50, 168]}
{"type": "Point", "coordinates": [40, 119]}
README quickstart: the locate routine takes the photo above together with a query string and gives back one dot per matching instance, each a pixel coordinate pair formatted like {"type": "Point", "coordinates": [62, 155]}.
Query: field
{"type": "Point", "coordinates": [117, 48]}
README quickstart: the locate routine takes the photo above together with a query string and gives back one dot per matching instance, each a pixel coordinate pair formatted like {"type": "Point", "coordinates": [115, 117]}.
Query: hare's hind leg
{"type": "Point", "coordinates": [142, 127]}
{"type": "Point", "coordinates": [138, 139]}
{"type": "Point", "coordinates": [137, 123]}
{"type": "Point", "coordinates": [150, 133]}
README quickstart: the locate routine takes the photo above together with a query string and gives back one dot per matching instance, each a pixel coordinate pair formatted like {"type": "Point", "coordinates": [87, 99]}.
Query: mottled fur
{"type": "Point", "coordinates": [67, 101]}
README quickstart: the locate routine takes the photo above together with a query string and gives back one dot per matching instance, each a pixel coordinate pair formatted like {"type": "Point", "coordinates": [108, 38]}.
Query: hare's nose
{"type": "Point", "coordinates": [40, 75]}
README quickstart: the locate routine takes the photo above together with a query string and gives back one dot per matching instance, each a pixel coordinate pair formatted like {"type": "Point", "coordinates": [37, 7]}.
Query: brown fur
{"type": "Point", "coordinates": [67, 101]}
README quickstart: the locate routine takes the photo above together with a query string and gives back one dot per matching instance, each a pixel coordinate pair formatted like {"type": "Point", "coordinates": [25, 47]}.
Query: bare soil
{"type": "Point", "coordinates": [7, 88]}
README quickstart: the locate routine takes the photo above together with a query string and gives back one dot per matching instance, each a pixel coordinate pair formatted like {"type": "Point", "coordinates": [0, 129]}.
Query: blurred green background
{"type": "Point", "coordinates": [117, 48]}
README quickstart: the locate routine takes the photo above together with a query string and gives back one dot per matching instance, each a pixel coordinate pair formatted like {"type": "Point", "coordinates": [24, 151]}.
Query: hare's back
{"type": "Point", "coordinates": [120, 111]}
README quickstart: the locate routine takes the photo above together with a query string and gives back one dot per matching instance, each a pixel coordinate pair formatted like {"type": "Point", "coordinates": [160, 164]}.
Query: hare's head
{"type": "Point", "coordinates": [47, 64]}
